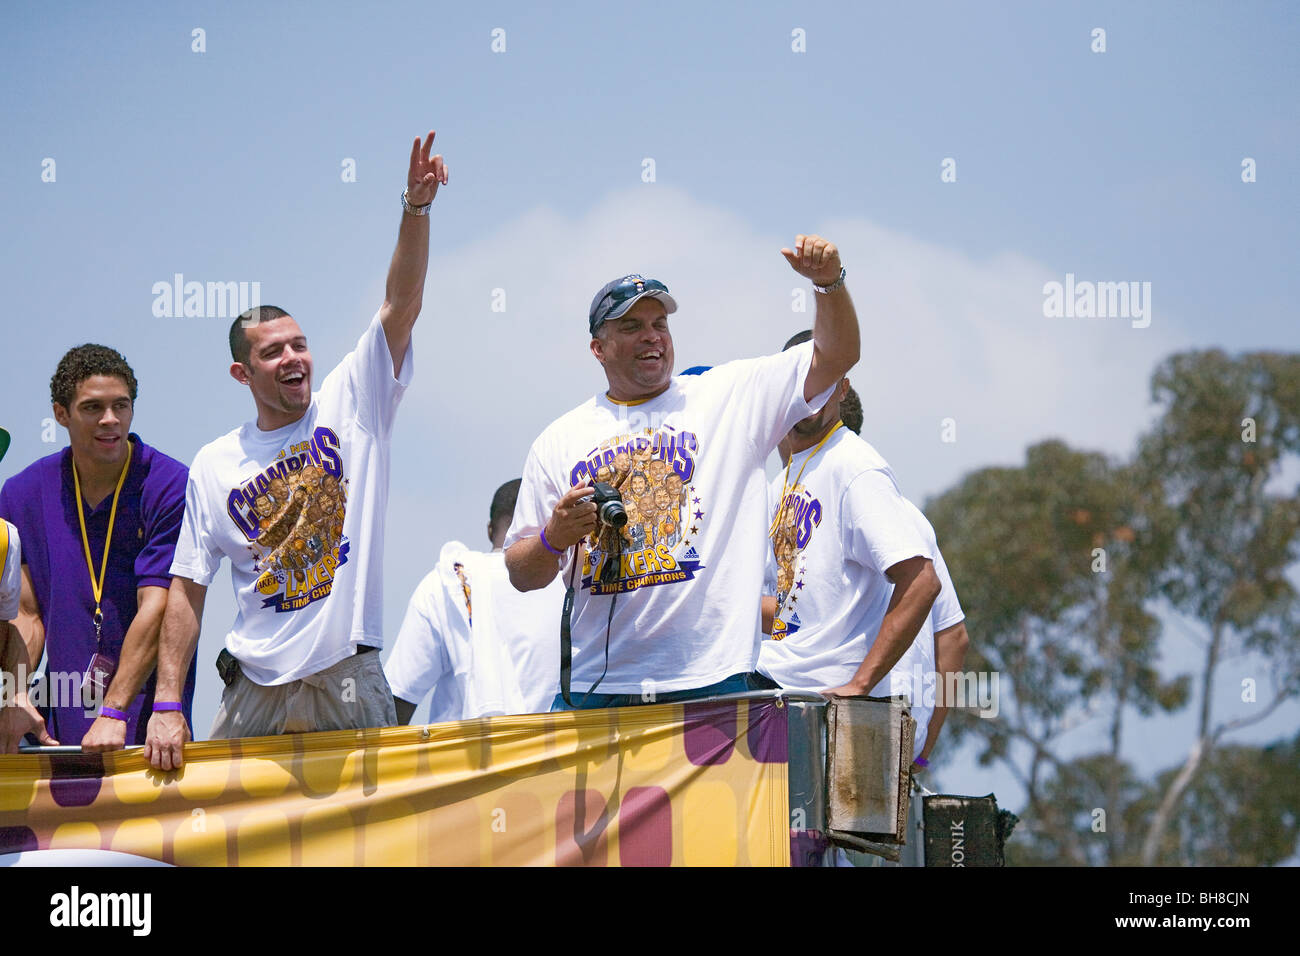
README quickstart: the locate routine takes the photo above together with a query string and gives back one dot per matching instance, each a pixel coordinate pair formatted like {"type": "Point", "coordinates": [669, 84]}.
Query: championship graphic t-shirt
{"type": "Point", "coordinates": [299, 511]}
{"type": "Point", "coordinates": [482, 647]}
{"type": "Point", "coordinates": [687, 568]}
{"type": "Point", "coordinates": [839, 522]}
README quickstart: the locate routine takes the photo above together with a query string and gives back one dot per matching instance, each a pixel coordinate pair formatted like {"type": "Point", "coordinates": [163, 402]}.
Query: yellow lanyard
{"type": "Point", "coordinates": [785, 482]}
{"type": "Point", "coordinates": [97, 586]}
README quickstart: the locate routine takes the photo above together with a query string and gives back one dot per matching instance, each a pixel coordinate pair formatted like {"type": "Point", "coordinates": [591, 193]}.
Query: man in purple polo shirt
{"type": "Point", "coordinates": [96, 617]}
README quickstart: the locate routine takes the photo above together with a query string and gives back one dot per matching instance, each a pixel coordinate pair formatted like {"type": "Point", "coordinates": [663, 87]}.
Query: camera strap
{"type": "Point", "coordinates": [566, 639]}
{"type": "Point", "coordinates": [566, 634]}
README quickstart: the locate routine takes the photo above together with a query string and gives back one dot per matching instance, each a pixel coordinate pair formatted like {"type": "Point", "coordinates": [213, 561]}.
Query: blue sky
{"type": "Point", "coordinates": [225, 165]}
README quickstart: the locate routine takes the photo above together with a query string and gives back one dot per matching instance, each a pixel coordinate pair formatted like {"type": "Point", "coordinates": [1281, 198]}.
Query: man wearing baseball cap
{"type": "Point", "coordinates": [671, 611]}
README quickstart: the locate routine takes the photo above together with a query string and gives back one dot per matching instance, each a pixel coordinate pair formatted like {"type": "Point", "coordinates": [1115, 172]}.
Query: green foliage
{"type": "Point", "coordinates": [1243, 809]}
{"type": "Point", "coordinates": [1234, 538]}
{"type": "Point", "coordinates": [1196, 519]}
{"type": "Point", "coordinates": [1020, 543]}
{"type": "Point", "coordinates": [1074, 825]}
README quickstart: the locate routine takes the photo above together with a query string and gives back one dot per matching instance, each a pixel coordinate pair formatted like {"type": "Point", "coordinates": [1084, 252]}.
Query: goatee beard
{"type": "Point", "coordinates": [807, 429]}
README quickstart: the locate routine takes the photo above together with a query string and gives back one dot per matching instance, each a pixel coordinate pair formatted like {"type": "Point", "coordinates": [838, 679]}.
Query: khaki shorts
{"type": "Point", "coordinates": [350, 695]}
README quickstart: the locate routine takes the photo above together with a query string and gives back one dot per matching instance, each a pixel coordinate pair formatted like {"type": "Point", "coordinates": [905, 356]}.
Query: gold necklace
{"type": "Point", "coordinates": [785, 482]}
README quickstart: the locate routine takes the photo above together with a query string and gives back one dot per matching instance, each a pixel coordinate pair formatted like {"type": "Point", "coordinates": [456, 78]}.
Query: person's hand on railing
{"type": "Point", "coordinates": [18, 718]}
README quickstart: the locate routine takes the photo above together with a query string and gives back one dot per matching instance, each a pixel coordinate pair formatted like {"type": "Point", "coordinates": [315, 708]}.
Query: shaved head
{"type": "Point", "coordinates": [239, 344]}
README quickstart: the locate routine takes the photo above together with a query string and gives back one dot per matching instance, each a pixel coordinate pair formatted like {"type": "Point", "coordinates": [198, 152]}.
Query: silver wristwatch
{"type": "Point", "coordinates": [826, 289]}
{"type": "Point", "coordinates": [424, 210]}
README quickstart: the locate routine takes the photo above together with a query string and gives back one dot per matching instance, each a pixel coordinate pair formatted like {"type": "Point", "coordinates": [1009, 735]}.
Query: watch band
{"type": "Point", "coordinates": [413, 209]}
{"type": "Point", "coordinates": [826, 289]}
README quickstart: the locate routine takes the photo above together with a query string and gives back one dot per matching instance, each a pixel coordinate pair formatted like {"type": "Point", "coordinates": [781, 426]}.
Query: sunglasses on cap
{"type": "Point", "coordinates": [617, 297]}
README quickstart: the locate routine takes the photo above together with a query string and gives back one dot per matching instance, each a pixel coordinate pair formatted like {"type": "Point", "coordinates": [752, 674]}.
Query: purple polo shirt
{"type": "Point", "coordinates": [39, 501]}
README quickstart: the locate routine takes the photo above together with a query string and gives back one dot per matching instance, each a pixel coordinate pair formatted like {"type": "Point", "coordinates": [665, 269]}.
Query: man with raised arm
{"type": "Point", "coordinates": [296, 500]}
{"type": "Point", "coordinates": [670, 611]}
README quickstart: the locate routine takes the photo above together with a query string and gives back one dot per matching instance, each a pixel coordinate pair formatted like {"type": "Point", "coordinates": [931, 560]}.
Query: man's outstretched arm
{"type": "Point", "coordinates": [836, 341]}
{"type": "Point", "coordinates": [138, 658]}
{"type": "Point", "coordinates": [168, 730]}
{"type": "Point", "coordinates": [404, 291]}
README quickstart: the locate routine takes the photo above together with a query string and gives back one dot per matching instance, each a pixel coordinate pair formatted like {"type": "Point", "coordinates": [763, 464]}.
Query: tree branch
{"type": "Point", "coordinates": [1165, 812]}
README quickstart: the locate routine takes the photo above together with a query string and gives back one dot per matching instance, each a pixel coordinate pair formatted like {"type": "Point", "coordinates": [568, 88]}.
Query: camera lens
{"type": "Point", "coordinates": [613, 514]}
{"type": "Point", "coordinates": [609, 505]}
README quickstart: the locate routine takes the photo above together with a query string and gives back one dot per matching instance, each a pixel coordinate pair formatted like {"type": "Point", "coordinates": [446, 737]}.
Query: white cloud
{"type": "Point", "coordinates": [943, 336]}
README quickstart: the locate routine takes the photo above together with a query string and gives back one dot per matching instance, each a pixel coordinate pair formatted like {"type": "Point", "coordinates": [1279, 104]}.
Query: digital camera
{"type": "Point", "coordinates": [609, 505]}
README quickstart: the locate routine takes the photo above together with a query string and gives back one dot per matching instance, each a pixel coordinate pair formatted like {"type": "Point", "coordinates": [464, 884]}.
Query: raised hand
{"type": "Point", "coordinates": [426, 173]}
{"type": "Point", "coordinates": [814, 258]}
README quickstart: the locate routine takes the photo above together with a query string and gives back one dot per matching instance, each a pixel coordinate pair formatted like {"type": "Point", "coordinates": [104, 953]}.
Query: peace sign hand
{"type": "Point", "coordinates": [425, 174]}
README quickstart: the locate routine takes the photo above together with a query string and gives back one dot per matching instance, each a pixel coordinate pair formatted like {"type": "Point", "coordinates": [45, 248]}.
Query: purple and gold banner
{"type": "Point", "coordinates": [676, 784]}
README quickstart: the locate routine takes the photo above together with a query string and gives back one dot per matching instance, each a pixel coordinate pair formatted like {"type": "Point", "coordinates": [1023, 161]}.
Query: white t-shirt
{"type": "Point", "coordinates": [843, 523]}
{"type": "Point", "coordinates": [483, 648]}
{"type": "Point", "coordinates": [299, 511]}
{"type": "Point", "coordinates": [947, 608]}
{"type": "Point", "coordinates": [11, 574]}
{"type": "Point", "coordinates": [690, 463]}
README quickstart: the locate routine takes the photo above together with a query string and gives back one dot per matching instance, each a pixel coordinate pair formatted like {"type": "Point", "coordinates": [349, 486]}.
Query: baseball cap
{"type": "Point", "coordinates": [4, 442]}
{"type": "Point", "coordinates": [616, 297]}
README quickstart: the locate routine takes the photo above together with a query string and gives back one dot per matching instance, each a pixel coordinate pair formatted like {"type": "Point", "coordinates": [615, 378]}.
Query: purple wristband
{"type": "Point", "coordinates": [547, 545]}
{"type": "Point", "coordinates": [921, 762]}
{"type": "Point", "coordinates": [165, 705]}
{"type": "Point", "coordinates": [113, 713]}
